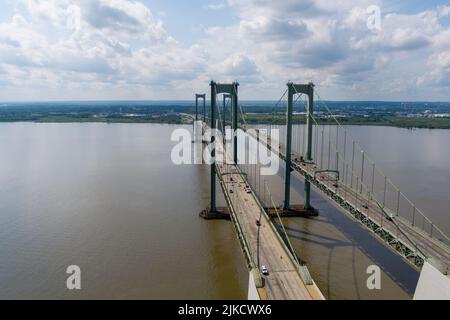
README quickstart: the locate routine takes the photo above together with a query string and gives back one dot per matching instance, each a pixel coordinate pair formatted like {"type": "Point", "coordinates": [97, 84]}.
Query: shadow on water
{"type": "Point", "coordinates": [306, 236]}
{"type": "Point", "coordinates": [358, 237]}
{"type": "Point", "coordinates": [330, 244]}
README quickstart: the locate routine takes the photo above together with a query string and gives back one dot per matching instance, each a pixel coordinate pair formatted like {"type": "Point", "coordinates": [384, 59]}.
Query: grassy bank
{"type": "Point", "coordinates": [164, 119]}
{"type": "Point", "coordinates": [400, 122]}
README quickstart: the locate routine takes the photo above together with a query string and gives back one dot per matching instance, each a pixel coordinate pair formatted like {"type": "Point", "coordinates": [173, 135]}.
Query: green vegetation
{"type": "Point", "coordinates": [401, 122]}
{"type": "Point", "coordinates": [254, 119]}
{"type": "Point", "coordinates": [430, 123]}
{"type": "Point", "coordinates": [163, 119]}
{"type": "Point", "coordinates": [411, 115]}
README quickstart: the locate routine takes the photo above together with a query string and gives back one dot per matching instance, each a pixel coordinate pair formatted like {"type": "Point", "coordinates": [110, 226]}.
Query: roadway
{"type": "Point", "coordinates": [284, 281]}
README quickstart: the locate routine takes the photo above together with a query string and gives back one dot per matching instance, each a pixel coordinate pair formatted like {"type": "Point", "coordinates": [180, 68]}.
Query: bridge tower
{"type": "Point", "coordinates": [230, 90]}
{"type": "Point", "coordinates": [202, 97]}
{"type": "Point", "coordinates": [293, 89]}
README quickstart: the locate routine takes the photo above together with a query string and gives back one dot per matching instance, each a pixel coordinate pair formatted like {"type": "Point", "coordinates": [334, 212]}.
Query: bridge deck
{"type": "Point", "coordinates": [284, 280]}
{"type": "Point", "coordinates": [404, 230]}
{"type": "Point", "coordinates": [404, 237]}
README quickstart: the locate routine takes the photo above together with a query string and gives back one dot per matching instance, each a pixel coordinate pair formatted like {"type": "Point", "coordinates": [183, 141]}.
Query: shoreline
{"type": "Point", "coordinates": [403, 123]}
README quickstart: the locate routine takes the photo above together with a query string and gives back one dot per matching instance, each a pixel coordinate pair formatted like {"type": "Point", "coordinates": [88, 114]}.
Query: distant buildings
{"type": "Point", "coordinates": [441, 115]}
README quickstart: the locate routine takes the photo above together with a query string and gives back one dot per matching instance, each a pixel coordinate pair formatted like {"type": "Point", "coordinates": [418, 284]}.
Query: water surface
{"type": "Point", "coordinates": [106, 197]}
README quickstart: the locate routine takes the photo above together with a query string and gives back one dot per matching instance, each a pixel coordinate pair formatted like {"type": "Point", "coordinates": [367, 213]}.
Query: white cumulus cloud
{"type": "Point", "coordinates": [83, 49]}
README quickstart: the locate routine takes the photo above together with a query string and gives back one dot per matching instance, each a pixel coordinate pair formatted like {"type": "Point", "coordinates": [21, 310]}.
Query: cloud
{"type": "Point", "coordinates": [127, 17]}
{"type": "Point", "coordinates": [330, 43]}
{"type": "Point", "coordinates": [264, 29]}
{"type": "Point", "coordinates": [439, 71]}
{"type": "Point", "coordinates": [239, 65]}
{"type": "Point", "coordinates": [98, 44]}
{"type": "Point", "coordinates": [288, 9]}
{"type": "Point", "coordinates": [408, 39]}
{"type": "Point", "coordinates": [216, 6]}
{"type": "Point", "coordinates": [119, 48]}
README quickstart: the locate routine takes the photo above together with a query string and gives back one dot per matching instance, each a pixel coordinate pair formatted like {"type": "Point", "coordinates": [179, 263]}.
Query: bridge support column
{"type": "Point", "coordinates": [196, 120]}
{"type": "Point", "coordinates": [224, 122]}
{"type": "Point", "coordinates": [309, 124]}
{"type": "Point", "coordinates": [203, 97]}
{"type": "Point", "coordinates": [235, 111]}
{"type": "Point", "coordinates": [224, 116]}
{"type": "Point", "coordinates": [196, 108]}
{"type": "Point", "coordinates": [287, 175]}
{"type": "Point", "coordinates": [213, 147]}
{"type": "Point", "coordinates": [197, 142]}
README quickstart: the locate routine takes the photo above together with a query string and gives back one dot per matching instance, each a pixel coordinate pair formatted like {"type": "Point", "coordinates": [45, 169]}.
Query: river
{"type": "Point", "coordinates": [107, 198]}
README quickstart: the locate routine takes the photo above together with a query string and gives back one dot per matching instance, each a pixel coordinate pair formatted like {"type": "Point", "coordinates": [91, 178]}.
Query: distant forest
{"type": "Point", "coordinates": [399, 114]}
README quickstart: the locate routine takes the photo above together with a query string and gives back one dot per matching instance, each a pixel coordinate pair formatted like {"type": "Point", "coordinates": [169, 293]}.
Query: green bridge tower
{"type": "Point", "coordinates": [308, 90]}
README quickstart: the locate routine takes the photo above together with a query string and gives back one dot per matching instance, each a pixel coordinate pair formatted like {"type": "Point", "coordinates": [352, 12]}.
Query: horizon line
{"type": "Point", "coordinates": [193, 101]}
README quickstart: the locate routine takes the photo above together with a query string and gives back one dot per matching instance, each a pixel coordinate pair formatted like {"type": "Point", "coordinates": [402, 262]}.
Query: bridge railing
{"type": "Point", "coordinates": [262, 191]}
{"type": "Point", "coordinates": [236, 206]}
{"type": "Point", "coordinates": [335, 150]}
{"type": "Point", "coordinates": [360, 173]}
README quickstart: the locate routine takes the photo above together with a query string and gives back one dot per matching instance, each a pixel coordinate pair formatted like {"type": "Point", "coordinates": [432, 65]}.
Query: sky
{"type": "Point", "coordinates": [167, 49]}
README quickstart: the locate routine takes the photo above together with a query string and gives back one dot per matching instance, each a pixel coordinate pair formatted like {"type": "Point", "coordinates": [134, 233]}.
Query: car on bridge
{"type": "Point", "coordinates": [264, 271]}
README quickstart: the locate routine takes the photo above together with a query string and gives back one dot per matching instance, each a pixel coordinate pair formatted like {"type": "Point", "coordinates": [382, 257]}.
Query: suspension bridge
{"type": "Point", "coordinates": [328, 159]}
